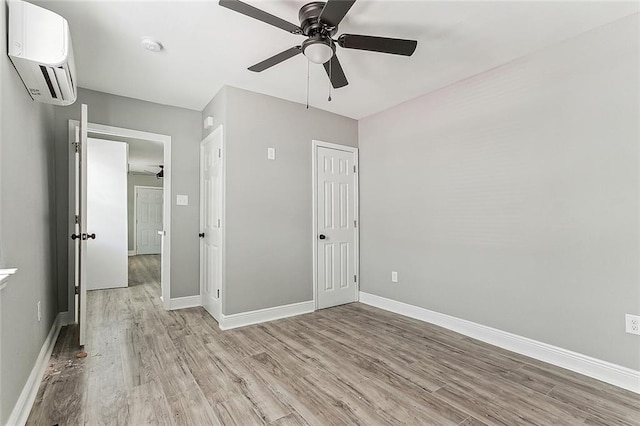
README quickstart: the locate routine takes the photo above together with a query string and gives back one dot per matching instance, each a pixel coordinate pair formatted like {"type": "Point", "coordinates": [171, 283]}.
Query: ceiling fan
{"type": "Point", "coordinates": [319, 23]}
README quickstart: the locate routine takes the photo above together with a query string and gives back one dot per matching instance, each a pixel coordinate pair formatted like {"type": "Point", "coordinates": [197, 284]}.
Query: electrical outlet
{"type": "Point", "coordinates": [39, 312]}
{"type": "Point", "coordinates": [394, 277]}
{"type": "Point", "coordinates": [632, 324]}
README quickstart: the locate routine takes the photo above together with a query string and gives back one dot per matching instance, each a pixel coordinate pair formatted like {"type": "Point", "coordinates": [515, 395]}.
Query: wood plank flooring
{"type": "Point", "coordinates": [352, 364]}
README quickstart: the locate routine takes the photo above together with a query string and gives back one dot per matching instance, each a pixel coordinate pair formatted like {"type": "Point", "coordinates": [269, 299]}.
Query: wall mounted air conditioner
{"type": "Point", "coordinates": [40, 49]}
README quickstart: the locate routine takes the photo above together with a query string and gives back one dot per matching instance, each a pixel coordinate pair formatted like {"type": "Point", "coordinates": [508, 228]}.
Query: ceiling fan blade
{"type": "Point", "coordinates": [260, 15]}
{"type": "Point", "coordinates": [335, 72]}
{"type": "Point", "coordinates": [394, 46]}
{"type": "Point", "coordinates": [276, 59]}
{"type": "Point", "coordinates": [334, 11]}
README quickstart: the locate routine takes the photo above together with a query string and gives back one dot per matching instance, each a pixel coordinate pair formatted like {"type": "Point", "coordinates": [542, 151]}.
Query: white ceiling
{"type": "Point", "coordinates": [208, 46]}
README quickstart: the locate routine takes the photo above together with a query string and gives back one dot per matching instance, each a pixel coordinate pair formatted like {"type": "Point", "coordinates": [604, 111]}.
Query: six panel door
{"type": "Point", "coordinates": [336, 226]}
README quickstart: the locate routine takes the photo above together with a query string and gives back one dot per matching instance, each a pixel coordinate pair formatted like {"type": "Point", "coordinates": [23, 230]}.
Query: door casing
{"type": "Point", "coordinates": [100, 130]}
{"type": "Point", "coordinates": [314, 236]}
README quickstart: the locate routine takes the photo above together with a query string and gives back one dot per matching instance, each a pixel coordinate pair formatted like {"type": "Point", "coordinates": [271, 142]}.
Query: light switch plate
{"type": "Point", "coordinates": [271, 153]}
{"type": "Point", "coordinates": [182, 200]}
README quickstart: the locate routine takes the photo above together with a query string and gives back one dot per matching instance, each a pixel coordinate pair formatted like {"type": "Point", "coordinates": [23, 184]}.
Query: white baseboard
{"type": "Point", "coordinates": [242, 319]}
{"type": "Point", "coordinates": [27, 397]}
{"type": "Point", "coordinates": [614, 374]}
{"type": "Point", "coordinates": [185, 302]}
{"type": "Point", "coordinates": [132, 252]}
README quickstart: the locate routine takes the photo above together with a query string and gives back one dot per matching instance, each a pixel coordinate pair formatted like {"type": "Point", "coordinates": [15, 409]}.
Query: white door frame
{"type": "Point", "coordinates": [314, 237]}
{"type": "Point", "coordinates": [135, 211]}
{"type": "Point", "coordinates": [223, 216]}
{"type": "Point", "coordinates": [105, 132]}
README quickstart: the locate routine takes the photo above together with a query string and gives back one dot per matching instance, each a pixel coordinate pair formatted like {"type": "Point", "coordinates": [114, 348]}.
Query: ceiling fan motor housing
{"type": "Point", "coordinates": [309, 22]}
{"type": "Point", "coordinates": [318, 47]}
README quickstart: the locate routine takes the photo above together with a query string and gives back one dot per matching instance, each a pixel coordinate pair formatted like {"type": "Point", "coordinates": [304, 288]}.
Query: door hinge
{"type": "Point", "coordinates": [354, 169]}
{"type": "Point", "coordinates": [219, 152]}
{"type": "Point", "coordinates": [218, 294]}
{"type": "Point", "coordinates": [77, 219]}
{"type": "Point", "coordinates": [77, 290]}
{"type": "Point", "coordinates": [355, 223]}
{"type": "Point", "coordinates": [218, 223]}
{"type": "Point", "coordinates": [76, 146]}
{"type": "Point", "coordinates": [355, 278]}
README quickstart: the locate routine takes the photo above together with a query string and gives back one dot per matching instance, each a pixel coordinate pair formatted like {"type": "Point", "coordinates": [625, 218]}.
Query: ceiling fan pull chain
{"type": "Point", "coordinates": [307, 84]}
{"type": "Point", "coordinates": [330, 80]}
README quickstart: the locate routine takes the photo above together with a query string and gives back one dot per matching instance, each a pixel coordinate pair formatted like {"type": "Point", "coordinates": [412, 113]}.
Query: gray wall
{"type": "Point", "coordinates": [132, 181]}
{"type": "Point", "coordinates": [184, 128]}
{"type": "Point", "coordinates": [26, 228]}
{"type": "Point", "coordinates": [511, 199]}
{"type": "Point", "coordinates": [268, 211]}
{"type": "Point", "coordinates": [217, 108]}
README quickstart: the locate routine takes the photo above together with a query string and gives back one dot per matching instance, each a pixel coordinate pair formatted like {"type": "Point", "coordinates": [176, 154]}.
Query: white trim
{"type": "Point", "coordinates": [27, 397]}
{"type": "Point", "coordinates": [165, 259]}
{"type": "Point", "coordinates": [185, 302]}
{"type": "Point", "coordinates": [614, 374]}
{"type": "Point", "coordinates": [127, 133]}
{"type": "Point", "coordinates": [135, 215]}
{"type": "Point", "coordinates": [106, 131]}
{"type": "Point", "coordinates": [242, 319]}
{"type": "Point", "coordinates": [73, 127]}
{"type": "Point", "coordinates": [314, 191]}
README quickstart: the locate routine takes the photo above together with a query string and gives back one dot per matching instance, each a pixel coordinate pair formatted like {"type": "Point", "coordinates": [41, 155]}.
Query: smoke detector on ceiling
{"type": "Point", "coordinates": [151, 45]}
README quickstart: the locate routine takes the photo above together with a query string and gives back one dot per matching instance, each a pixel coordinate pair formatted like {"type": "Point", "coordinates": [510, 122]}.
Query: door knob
{"type": "Point", "coordinates": [91, 236]}
{"type": "Point", "coordinates": [201, 235]}
{"type": "Point", "coordinates": [75, 236]}
{"type": "Point", "coordinates": [322, 236]}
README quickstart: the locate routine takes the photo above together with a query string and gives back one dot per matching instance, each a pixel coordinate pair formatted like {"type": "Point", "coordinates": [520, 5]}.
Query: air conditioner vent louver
{"type": "Point", "coordinates": [47, 79]}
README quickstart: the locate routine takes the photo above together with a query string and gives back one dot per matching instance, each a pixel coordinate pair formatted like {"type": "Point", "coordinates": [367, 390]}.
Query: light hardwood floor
{"type": "Point", "coordinates": [351, 364]}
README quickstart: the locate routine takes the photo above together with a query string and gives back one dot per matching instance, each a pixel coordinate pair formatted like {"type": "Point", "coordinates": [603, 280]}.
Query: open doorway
{"type": "Point", "coordinates": [148, 160]}
{"type": "Point", "coordinates": [145, 195]}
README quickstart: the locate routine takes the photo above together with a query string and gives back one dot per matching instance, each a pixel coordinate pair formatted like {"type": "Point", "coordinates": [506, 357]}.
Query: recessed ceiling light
{"type": "Point", "coordinates": [151, 45]}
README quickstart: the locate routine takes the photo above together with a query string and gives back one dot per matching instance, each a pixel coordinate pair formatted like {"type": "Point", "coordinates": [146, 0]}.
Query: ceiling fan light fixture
{"type": "Point", "coordinates": [318, 51]}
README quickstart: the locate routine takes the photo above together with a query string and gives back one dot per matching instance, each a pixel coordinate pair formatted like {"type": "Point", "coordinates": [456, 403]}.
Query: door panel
{"type": "Point", "coordinates": [336, 215]}
{"type": "Point", "coordinates": [149, 202]}
{"type": "Point", "coordinates": [107, 265]}
{"type": "Point", "coordinates": [211, 209]}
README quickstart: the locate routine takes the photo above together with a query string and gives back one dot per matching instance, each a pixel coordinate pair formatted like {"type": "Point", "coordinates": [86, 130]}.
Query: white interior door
{"type": "Point", "coordinates": [79, 235]}
{"type": "Point", "coordinates": [211, 215]}
{"type": "Point", "coordinates": [107, 263]}
{"type": "Point", "coordinates": [148, 220]}
{"type": "Point", "coordinates": [336, 215]}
